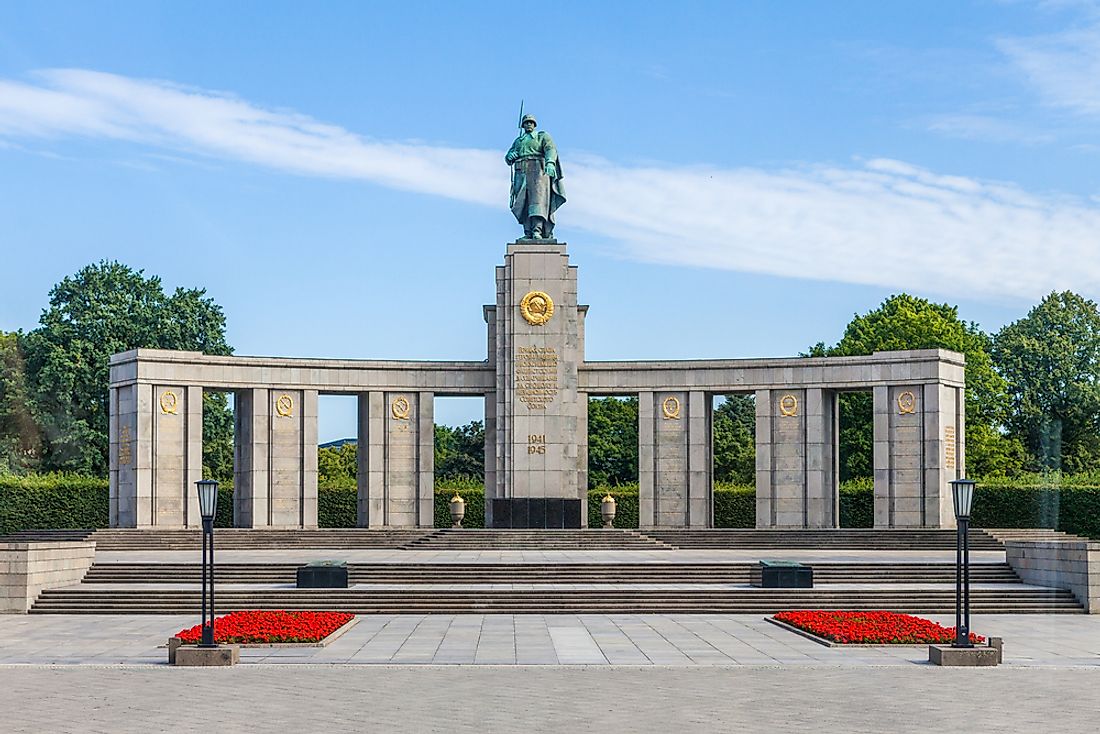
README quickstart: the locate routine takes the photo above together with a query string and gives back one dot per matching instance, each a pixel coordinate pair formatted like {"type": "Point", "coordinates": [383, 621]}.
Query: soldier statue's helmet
{"type": "Point", "coordinates": [528, 118]}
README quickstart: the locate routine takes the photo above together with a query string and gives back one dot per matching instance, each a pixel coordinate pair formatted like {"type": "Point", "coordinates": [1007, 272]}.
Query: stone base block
{"type": "Point", "coordinates": [978, 656]}
{"type": "Point", "coordinates": [192, 656]}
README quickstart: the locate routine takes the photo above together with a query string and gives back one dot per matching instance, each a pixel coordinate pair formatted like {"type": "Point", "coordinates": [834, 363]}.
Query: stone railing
{"type": "Point", "coordinates": [1064, 564]}
{"type": "Point", "coordinates": [26, 568]}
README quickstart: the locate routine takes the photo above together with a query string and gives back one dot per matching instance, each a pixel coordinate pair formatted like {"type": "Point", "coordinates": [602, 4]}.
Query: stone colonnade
{"type": "Point", "coordinates": [536, 385]}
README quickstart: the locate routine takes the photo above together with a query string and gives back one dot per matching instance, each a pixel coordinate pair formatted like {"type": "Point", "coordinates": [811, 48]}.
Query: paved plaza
{"type": "Point", "coordinates": [689, 640]}
{"type": "Point", "coordinates": [563, 700]}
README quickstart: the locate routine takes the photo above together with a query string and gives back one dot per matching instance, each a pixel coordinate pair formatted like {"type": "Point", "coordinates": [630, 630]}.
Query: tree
{"type": "Point", "coordinates": [612, 441]}
{"type": "Point", "coordinates": [735, 440]}
{"type": "Point", "coordinates": [103, 309]}
{"type": "Point", "coordinates": [907, 322]}
{"type": "Point", "coordinates": [338, 466]}
{"type": "Point", "coordinates": [460, 452]}
{"type": "Point", "coordinates": [20, 437]}
{"type": "Point", "coordinates": [1051, 358]}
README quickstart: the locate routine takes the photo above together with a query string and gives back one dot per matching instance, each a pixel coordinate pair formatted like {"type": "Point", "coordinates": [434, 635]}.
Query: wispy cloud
{"type": "Point", "coordinates": [1064, 68]}
{"type": "Point", "coordinates": [878, 222]}
{"type": "Point", "coordinates": [986, 128]}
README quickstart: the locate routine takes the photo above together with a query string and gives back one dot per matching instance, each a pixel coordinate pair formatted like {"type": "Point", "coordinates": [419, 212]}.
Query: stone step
{"type": "Point", "coordinates": [80, 600]}
{"type": "Point", "coordinates": [153, 573]}
{"type": "Point", "coordinates": [595, 539]}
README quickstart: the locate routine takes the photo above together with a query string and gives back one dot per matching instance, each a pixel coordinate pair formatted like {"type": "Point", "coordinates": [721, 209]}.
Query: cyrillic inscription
{"type": "Point", "coordinates": [536, 376]}
{"type": "Point", "coordinates": [949, 446]}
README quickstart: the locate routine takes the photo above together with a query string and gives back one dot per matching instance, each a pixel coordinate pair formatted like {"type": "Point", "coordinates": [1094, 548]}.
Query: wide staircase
{"type": "Point", "coordinates": [397, 588]}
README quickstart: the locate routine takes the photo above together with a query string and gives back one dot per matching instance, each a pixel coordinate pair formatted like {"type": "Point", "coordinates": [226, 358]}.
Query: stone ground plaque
{"type": "Point", "coordinates": [323, 575]}
{"type": "Point", "coordinates": [782, 575]}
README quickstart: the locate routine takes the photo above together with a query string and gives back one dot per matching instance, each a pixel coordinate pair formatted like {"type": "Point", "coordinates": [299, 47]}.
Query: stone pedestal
{"type": "Point", "coordinates": [536, 337]}
{"type": "Point", "coordinates": [275, 461]}
{"type": "Point", "coordinates": [977, 656]}
{"type": "Point", "coordinates": [192, 656]}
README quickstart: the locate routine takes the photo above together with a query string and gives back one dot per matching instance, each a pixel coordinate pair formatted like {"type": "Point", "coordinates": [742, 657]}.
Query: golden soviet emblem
{"type": "Point", "coordinates": [670, 407]}
{"type": "Point", "coordinates": [400, 407]}
{"type": "Point", "coordinates": [788, 405]}
{"type": "Point", "coordinates": [537, 307]}
{"type": "Point", "coordinates": [907, 403]}
{"type": "Point", "coordinates": [284, 406]}
{"type": "Point", "coordinates": [169, 402]}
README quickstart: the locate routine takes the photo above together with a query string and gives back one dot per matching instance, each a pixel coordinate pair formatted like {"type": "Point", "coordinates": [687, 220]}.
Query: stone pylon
{"type": "Point", "coordinates": [536, 422]}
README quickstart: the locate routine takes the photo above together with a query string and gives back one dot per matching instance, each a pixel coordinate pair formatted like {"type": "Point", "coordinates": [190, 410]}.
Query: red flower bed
{"type": "Point", "coordinates": [271, 627]}
{"type": "Point", "coordinates": [871, 628]}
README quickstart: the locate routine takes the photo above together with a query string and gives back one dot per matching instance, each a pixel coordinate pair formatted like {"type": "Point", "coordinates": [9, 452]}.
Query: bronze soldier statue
{"type": "Point", "coordinates": [536, 180]}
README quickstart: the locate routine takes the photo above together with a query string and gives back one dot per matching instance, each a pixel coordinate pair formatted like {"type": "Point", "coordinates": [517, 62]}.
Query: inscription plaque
{"type": "Point", "coordinates": [949, 446]}
{"type": "Point", "coordinates": [536, 376]}
{"type": "Point", "coordinates": [125, 450]}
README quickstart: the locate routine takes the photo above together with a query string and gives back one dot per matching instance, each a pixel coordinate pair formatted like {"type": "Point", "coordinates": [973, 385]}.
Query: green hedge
{"type": "Point", "coordinates": [53, 502]}
{"type": "Point", "coordinates": [62, 501]}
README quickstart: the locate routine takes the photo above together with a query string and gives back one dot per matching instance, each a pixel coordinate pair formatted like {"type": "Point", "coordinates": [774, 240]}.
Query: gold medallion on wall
{"type": "Point", "coordinates": [284, 406]}
{"type": "Point", "coordinates": [907, 403]}
{"type": "Point", "coordinates": [400, 408]}
{"type": "Point", "coordinates": [670, 408]}
{"type": "Point", "coordinates": [788, 405]}
{"type": "Point", "coordinates": [169, 402]}
{"type": "Point", "coordinates": [537, 307]}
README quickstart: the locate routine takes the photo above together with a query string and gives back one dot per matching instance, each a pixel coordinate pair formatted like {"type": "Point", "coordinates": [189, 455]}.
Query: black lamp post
{"type": "Point", "coordinates": [962, 492]}
{"type": "Point", "coordinates": [208, 507]}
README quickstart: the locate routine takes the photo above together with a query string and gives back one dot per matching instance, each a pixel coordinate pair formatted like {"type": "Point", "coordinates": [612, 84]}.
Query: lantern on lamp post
{"type": "Point", "coordinates": [208, 508]}
{"type": "Point", "coordinates": [962, 494]}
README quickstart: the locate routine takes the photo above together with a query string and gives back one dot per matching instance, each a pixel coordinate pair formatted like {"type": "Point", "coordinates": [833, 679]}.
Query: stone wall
{"type": "Point", "coordinates": [1073, 565]}
{"type": "Point", "coordinates": [27, 568]}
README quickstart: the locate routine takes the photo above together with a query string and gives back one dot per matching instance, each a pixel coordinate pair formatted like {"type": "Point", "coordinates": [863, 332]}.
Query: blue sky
{"type": "Point", "coordinates": [743, 177]}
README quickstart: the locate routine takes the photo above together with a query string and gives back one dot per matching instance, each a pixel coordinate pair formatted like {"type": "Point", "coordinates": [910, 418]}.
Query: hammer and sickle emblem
{"type": "Point", "coordinates": [907, 403]}
{"type": "Point", "coordinates": [284, 406]}
{"type": "Point", "coordinates": [537, 307]}
{"type": "Point", "coordinates": [670, 407]}
{"type": "Point", "coordinates": [169, 402]}
{"type": "Point", "coordinates": [399, 408]}
{"type": "Point", "coordinates": [788, 405]}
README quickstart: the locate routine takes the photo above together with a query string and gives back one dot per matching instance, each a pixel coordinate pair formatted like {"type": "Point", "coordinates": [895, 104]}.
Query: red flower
{"type": "Point", "coordinates": [874, 627]}
{"type": "Point", "coordinates": [265, 627]}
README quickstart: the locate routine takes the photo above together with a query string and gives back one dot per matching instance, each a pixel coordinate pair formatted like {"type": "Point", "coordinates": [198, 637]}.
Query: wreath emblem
{"type": "Point", "coordinates": [400, 407]}
{"type": "Point", "coordinates": [169, 402]}
{"type": "Point", "coordinates": [284, 406]}
{"type": "Point", "coordinates": [907, 403]}
{"type": "Point", "coordinates": [537, 307]}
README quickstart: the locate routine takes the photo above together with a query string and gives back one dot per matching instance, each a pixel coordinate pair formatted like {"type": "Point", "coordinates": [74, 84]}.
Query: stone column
{"type": "Point", "coordinates": [490, 454]}
{"type": "Point", "coordinates": [919, 447]}
{"type": "Point", "coordinates": [537, 339]}
{"type": "Point", "coordinates": [397, 431]}
{"type": "Point", "coordinates": [155, 455]}
{"type": "Point", "coordinates": [796, 459]}
{"type": "Point", "coordinates": [275, 458]}
{"type": "Point", "coordinates": [674, 460]}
